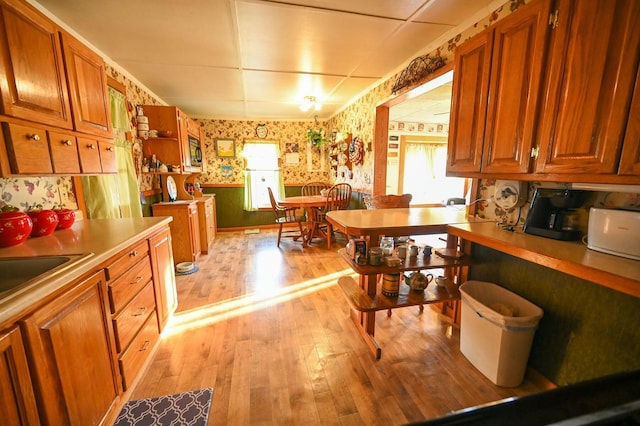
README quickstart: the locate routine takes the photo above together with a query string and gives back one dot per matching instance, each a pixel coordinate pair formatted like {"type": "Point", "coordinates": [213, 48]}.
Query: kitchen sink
{"type": "Point", "coordinates": [15, 271]}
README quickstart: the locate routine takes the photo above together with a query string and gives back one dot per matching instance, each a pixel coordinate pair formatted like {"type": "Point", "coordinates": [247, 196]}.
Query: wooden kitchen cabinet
{"type": "Point", "coordinates": [593, 61]}
{"type": "Point", "coordinates": [87, 88]}
{"type": "Point", "coordinates": [71, 355]}
{"type": "Point", "coordinates": [185, 228]}
{"type": "Point", "coordinates": [495, 94]}
{"type": "Point", "coordinates": [51, 83]}
{"type": "Point", "coordinates": [31, 51]}
{"type": "Point", "coordinates": [164, 278]}
{"type": "Point", "coordinates": [173, 150]}
{"type": "Point", "coordinates": [630, 160]}
{"type": "Point", "coordinates": [17, 401]}
{"type": "Point", "coordinates": [97, 156]}
{"type": "Point", "coordinates": [132, 305]}
{"type": "Point", "coordinates": [206, 221]}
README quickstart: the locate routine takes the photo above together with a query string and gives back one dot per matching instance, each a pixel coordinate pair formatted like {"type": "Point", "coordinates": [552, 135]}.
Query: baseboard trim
{"type": "Point", "coordinates": [243, 228]}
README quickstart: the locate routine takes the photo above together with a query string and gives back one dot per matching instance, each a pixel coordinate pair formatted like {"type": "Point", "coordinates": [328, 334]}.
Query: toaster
{"type": "Point", "coordinates": [615, 232]}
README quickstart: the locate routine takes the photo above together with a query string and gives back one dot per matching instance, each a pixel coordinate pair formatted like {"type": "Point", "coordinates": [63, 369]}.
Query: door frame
{"type": "Point", "coordinates": [381, 127]}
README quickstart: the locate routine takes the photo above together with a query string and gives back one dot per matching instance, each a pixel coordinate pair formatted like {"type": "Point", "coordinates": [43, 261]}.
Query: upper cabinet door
{"type": "Point", "coordinates": [514, 89]}
{"type": "Point", "coordinates": [594, 53]}
{"type": "Point", "coordinates": [469, 104]}
{"type": "Point", "coordinates": [496, 87]}
{"type": "Point", "coordinates": [88, 88]}
{"type": "Point", "coordinates": [32, 78]}
{"type": "Point", "coordinates": [630, 160]}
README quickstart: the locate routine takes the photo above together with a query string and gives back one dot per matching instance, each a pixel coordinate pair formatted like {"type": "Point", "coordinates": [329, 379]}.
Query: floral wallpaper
{"type": "Point", "coordinates": [28, 193]}
{"type": "Point", "coordinates": [300, 161]}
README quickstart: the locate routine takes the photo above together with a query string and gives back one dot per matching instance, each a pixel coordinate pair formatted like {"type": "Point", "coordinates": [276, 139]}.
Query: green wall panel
{"type": "Point", "coordinates": [587, 330]}
{"type": "Point", "coordinates": [230, 213]}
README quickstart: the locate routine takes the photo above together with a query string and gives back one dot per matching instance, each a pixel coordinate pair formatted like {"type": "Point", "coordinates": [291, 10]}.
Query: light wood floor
{"type": "Point", "coordinates": [269, 330]}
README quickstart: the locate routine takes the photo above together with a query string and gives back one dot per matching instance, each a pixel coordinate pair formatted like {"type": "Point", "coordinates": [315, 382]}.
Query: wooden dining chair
{"type": "Point", "coordinates": [314, 188]}
{"type": "Point", "coordinates": [338, 198]}
{"type": "Point", "coordinates": [388, 201]}
{"type": "Point", "coordinates": [285, 215]}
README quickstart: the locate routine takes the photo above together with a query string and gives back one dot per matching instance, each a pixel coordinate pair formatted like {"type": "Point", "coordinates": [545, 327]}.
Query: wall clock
{"type": "Point", "coordinates": [261, 131]}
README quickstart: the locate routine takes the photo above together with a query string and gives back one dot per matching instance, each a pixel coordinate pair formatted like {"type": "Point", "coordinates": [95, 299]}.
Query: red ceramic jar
{"type": "Point", "coordinates": [44, 222]}
{"type": "Point", "coordinates": [66, 217]}
{"type": "Point", "coordinates": [15, 228]}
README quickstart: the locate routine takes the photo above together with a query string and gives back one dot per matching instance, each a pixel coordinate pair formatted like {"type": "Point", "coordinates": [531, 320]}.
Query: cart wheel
{"type": "Point", "coordinates": [388, 313]}
{"type": "Point", "coordinates": [421, 308]}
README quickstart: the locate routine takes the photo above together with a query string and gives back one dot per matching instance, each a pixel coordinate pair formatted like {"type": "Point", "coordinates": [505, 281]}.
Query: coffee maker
{"type": "Point", "coordinates": [553, 213]}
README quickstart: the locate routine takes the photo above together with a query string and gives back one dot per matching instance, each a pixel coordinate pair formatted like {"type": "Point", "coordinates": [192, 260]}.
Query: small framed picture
{"type": "Point", "coordinates": [225, 148]}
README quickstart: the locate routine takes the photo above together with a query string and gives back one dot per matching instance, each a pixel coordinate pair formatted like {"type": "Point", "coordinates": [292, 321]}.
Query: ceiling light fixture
{"type": "Point", "coordinates": [310, 102]}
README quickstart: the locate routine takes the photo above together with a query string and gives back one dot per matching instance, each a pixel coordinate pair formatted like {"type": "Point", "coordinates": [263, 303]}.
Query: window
{"type": "Point", "coordinates": [261, 172]}
{"type": "Point", "coordinates": [425, 174]}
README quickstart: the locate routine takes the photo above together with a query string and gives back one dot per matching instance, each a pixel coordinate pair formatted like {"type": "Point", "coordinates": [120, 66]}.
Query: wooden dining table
{"type": "Point", "coordinates": [365, 296]}
{"type": "Point", "coordinates": [308, 203]}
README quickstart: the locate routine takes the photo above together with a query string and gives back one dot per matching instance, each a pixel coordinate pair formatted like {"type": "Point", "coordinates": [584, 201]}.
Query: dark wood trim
{"type": "Point", "coordinates": [115, 84]}
{"type": "Point", "coordinates": [77, 189]}
{"type": "Point", "coordinates": [150, 192]}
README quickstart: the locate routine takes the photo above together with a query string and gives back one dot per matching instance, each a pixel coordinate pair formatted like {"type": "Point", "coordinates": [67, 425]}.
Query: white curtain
{"type": "Point", "coordinates": [424, 174]}
{"type": "Point", "coordinates": [261, 172]}
{"type": "Point", "coordinates": [419, 170]}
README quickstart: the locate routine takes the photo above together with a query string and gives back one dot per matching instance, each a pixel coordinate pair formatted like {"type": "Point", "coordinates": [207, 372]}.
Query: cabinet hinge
{"type": "Point", "coordinates": [553, 19]}
{"type": "Point", "coordinates": [535, 151]}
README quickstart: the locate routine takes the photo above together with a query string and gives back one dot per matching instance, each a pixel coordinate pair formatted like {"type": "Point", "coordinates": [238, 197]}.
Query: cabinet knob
{"type": "Point", "coordinates": [110, 149]}
{"type": "Point", "coordinates": [134, 253]}
{"type": "Point", "coordinates": [67, 142]}
{"type": "Point", "coordinates": [140, 311]}
{"type": "Point", "coordinates": [34, 137]}
{"type": "Point", "coordinates": [91, 146]}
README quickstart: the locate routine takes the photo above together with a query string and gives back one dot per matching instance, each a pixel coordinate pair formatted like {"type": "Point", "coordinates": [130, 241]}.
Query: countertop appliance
{"type": "Point", "coordinates": [615, 232]}
{"type": "Point", "coordinates": [553, 213]}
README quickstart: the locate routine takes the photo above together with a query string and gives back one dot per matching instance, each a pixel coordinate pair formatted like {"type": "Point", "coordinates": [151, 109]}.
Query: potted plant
{"type": "Point", "coordinates": [316, 137]}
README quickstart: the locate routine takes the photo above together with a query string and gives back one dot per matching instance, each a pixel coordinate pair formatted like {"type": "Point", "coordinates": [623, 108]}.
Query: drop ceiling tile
{"type": "Point", "coordinates": [408, 42]}
{"type": "Point", "coordinates": [216, 83]}
{"type": "Point", "coordinates": [221, 110]}
{"type": "Point", "coordinates": [154, 31]}
{"type": "Point", "coordinates": [452, 12]}
{"type": "Point", "coordinates": [288, 87]}
{"type": "Point", "coordinates": [391, 9]}
{"type": "Point", "coordinates": [324, 42]}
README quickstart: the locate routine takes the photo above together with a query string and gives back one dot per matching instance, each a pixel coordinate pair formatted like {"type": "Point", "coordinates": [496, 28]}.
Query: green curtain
{"type": "Point", "coordinates": [109, 196]}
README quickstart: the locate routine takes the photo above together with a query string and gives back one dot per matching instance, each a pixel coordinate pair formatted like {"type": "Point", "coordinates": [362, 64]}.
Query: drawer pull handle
{"type": "Point", "coordinates": [137, 280]}
{"type": "Point", "coordinates": [133, 253]}
{"type": "Point", "coordinates": [34, 137]}
{"type": "Point", "coordinates": [91, 146]}
{"type": "Point", "coordinates": [67, 142]}
{"type": "Point", "coordinates": [110, 149]}
{"type": "Point", "coordinates": [141, 311]}
{"type": "Point", "coordinates": [145, 346]}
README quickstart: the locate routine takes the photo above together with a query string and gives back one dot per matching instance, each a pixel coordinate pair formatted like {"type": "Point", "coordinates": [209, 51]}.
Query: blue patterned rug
{"type": "Point", "coordinates": [182, 409]}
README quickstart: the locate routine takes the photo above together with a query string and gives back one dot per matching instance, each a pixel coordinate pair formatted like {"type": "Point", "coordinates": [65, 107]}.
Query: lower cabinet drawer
{"type": "Point", "coordinates": [127, 323]}
{"type": "Point", "coordinates": [122, 290]}
{"type": "Point", "coordinates": [134, 357]}
{"type": "Point", "coordinates": [128, 259]}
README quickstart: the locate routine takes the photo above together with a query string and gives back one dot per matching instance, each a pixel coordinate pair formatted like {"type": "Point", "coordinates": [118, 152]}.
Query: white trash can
{"type": "Point", "coordinates": [496, 331]}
